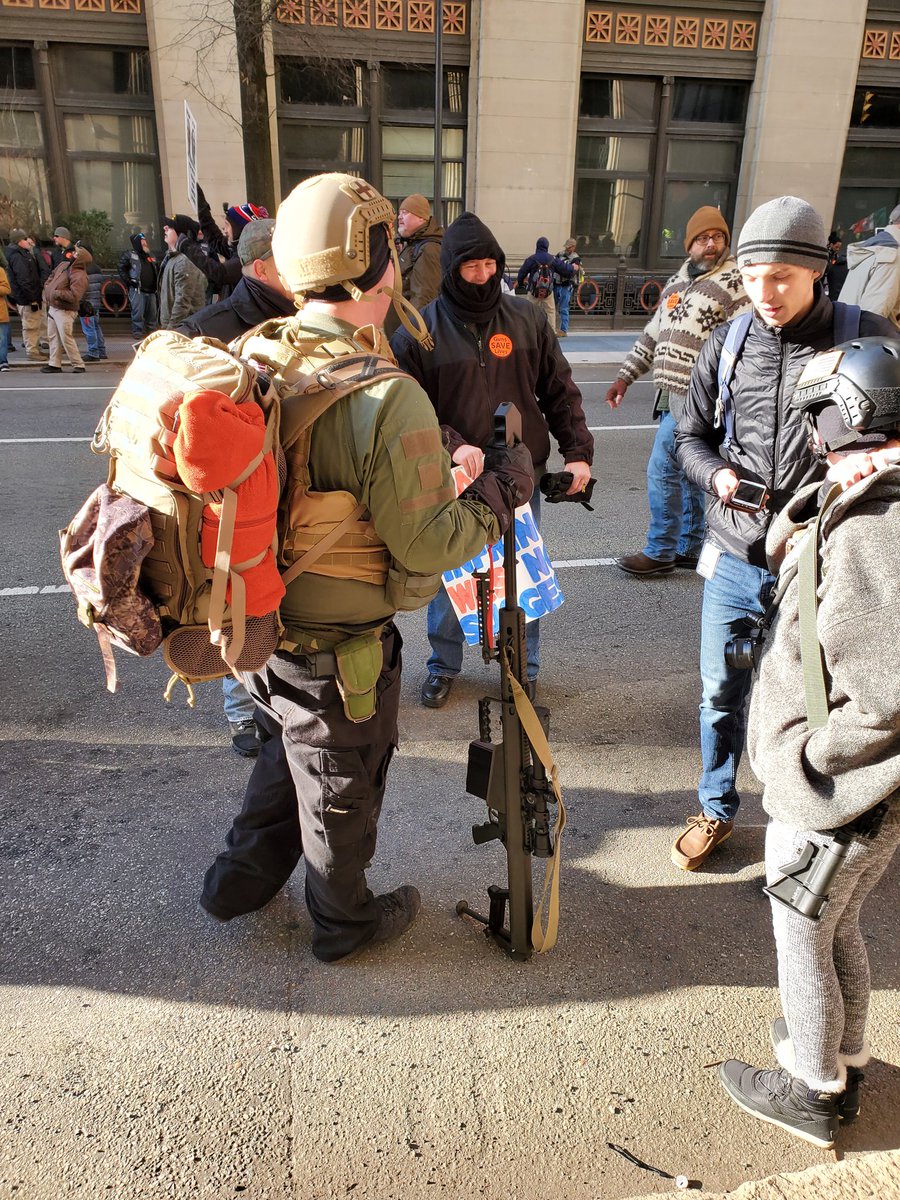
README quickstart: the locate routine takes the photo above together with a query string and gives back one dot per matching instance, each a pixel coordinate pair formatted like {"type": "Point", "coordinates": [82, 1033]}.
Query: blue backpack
{"type": "Point", "coordinates": [846, 327]}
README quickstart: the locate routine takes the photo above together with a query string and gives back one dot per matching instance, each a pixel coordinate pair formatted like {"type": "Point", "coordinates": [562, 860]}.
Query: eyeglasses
{"type": "Point", "coordinates": [703, 238]}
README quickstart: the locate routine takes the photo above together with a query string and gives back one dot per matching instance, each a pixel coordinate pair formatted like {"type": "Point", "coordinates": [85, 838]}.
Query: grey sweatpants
{"type": "Point", "coordinates": [823, 968]}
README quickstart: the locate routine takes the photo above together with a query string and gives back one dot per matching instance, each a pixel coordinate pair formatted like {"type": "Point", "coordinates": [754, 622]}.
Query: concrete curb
{"type": "Point", "coordinates": [874, 1176]}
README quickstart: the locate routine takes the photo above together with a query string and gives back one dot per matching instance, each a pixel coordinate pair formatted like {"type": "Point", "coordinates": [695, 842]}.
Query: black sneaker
{"type": "Point", "coordinates": [245, 738]}
{"type": "Point", "coordinates": [848, 1102]}
{"type": "Point", "coordinates": [78, 370]}
{"type": "Point", "coordinates": [436, 690]}
{"type": "Point", "coordinates": [48, 370]}
{"type": "Point", "coordinates": [780, 1099]}
{"type": "Point", "coordinates": [396, 912]}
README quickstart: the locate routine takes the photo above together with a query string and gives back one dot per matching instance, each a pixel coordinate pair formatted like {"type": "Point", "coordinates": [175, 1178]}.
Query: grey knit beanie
{"type": "Point", "coordinates": [786, 230]}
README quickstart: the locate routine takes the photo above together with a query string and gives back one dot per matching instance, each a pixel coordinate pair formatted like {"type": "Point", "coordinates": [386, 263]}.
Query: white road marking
{"type": "Point", "coordinates": [38, 441]}
{"type": "Point", "coordinates": [96, 387]}
{"type": "Point", "coordinates": [616, 428]}
{"type": "Point", "coordinates": [61, 589]}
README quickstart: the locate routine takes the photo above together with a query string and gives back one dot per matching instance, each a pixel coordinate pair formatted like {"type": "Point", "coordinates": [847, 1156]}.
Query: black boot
{"type": "Point", "coordinates": [781, 1099]}
{"type": "Point", "coordinates": [436, 690]}
{"type": "Point", "coordinates": [848, 1102]}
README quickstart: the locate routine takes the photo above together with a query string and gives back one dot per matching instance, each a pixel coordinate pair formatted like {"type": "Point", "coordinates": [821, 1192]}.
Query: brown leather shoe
{"type": "Point", "coordinates": [697, 841]}
{"type": "Point", "coordinates": [642, 564]}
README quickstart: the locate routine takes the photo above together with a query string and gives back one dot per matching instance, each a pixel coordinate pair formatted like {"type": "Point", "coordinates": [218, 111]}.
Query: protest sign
{"type": "Point", "coordinates": [538, 588]}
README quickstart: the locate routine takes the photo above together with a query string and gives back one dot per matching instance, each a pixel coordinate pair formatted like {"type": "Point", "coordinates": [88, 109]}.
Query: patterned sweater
{"type": "Point", "coordinates": [688, 311]}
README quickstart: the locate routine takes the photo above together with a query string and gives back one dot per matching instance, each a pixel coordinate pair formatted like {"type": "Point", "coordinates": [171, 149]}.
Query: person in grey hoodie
{"type": "Point", "coordinates": [873, 272]}
{"type": "Point", "coordinates": [835, 770]}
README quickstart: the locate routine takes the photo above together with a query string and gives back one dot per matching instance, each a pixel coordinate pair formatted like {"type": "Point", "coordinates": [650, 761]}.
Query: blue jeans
{"type": "Point", "coordinates": [562, 294]}
{"type": "Point", "coordinates": [446, 636]}
{"type": "Point", "coordinates": [96, 344]}
{"type": "Point", "coordinates": [736, 591]}
{"type": "Point", "coordinates": [4, 341]}
{"type": "Point", "coordinates": [144, 311]}
{"type": "Point", "coordinates": [676, 504]}
{"type": "Point", "coordinates": [239, 705]}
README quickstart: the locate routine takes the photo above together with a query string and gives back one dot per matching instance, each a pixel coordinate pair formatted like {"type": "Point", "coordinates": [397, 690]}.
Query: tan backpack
{"type": "Point", "coordinates": [202, 637]}
{"type": "Point", "coordinates": [122, 580]}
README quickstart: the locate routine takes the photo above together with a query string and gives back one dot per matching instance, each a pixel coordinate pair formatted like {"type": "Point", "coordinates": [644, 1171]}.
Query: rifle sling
{"type": "Point", "coordinates": [543, 938]}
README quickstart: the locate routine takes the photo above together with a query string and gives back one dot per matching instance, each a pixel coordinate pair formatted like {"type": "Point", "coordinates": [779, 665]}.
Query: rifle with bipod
{"type": "Point", "coordinates": [516, 777]}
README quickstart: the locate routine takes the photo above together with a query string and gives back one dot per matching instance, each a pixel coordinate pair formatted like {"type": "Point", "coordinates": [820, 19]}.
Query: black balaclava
{"type": "Point", "coordinates": [379, 257]}
{"type": "Point", "coordinates": [467, 238]}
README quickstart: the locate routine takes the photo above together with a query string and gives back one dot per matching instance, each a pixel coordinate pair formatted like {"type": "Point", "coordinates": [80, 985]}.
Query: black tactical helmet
{"type": "Point", "coordinates": [861, 380]}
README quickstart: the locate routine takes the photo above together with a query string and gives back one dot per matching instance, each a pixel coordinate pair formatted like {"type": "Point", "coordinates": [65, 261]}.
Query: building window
{"type": "Point", "coordinates": [649, 154]}
{"type": "Point", "coordinates": [869, 187]}
{"type": "Point", "coordinates": [24, 194]}
{"type": "Point", "coordinates": [376, 121]}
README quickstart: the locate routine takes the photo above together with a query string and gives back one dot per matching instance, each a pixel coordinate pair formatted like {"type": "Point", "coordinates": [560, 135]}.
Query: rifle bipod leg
{"type": "Point", "coordinates": [495, 922]}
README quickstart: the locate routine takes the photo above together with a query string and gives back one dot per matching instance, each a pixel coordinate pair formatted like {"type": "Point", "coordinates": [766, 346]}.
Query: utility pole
{"type": "Point", "coordinates": [438, 204]}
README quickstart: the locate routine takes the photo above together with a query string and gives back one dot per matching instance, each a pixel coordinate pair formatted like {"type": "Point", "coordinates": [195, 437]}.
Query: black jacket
{"type": "Point", "coordinates": [771, 443]}
{"type": "Point", "coordinates": [222, 275]}
{"type": "Point", "coordinates": [137, 269]}
{"type": "Point", "coordinates": [514, 357]}
{"type": "Point", "coordinates": [26, 284]}
{"type": "Point", "coordinates": [251, 303]}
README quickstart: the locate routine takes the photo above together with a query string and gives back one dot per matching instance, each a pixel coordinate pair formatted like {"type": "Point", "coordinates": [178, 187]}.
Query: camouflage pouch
{"type": "Point", "coordinates": [102, 551]}
{"type": "Point", "coordinates": [359, 664]}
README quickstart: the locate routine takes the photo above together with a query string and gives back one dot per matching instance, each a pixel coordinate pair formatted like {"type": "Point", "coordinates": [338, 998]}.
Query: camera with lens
{"type": "Point", "coordinates": [743, 653]}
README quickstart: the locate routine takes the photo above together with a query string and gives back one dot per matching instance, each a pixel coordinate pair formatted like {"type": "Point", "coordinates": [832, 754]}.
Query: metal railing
{"type": "Point", "coordinates": [618, 298]}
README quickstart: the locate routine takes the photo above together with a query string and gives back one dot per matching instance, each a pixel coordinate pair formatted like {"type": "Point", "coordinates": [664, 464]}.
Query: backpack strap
{"type": "Point", "coordinates": [814, 686]}
{"type": "Point", "coordinates": [846, 322]}
{"type": "Point", "coordinates": [735, 337]}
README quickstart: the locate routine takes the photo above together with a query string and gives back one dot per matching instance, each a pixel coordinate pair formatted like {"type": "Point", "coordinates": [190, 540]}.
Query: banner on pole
{"type": "Point", "coordinates": [190, 138]}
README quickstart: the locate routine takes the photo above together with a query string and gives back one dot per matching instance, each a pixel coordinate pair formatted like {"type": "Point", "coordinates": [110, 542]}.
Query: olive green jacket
{"type": "Point", "coordinates": [383, 444]}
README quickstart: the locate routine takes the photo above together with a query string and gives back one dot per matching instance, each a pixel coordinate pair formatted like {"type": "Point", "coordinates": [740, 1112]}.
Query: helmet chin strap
{"type": "Point", "coordinates": [410, 317]}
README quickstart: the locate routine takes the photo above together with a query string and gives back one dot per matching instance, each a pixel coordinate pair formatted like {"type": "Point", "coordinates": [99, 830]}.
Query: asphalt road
{"type": "Point", "coordinates": [153, 1053]}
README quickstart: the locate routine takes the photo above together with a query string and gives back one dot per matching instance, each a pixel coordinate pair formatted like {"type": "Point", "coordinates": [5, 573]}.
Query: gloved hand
{"type": "Point", "coordinates": [616, 392]}
{"type": "Point", "coordinates": [513, 464]}
{"type": "Point", "coordinates": [202, 202]}
{"type": "Point", "coordinates": [504, 485]}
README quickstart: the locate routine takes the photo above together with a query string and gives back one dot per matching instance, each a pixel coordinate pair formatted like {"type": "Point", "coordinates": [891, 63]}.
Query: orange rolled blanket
{"type": "Point", "coordinates": [215, 442]}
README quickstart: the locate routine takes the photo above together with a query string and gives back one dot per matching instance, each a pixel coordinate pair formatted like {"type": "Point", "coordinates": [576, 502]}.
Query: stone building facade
{"type": "Point", "coordinates": [608, 121]}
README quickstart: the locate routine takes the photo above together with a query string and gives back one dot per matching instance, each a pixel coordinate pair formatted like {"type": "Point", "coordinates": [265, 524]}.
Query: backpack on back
{"type": "Point", "coordinates": [133, 554]}
{"type": "Point", "coordinates": [149, 559]}
{"type": "Point", "coordinates": [540, 284]}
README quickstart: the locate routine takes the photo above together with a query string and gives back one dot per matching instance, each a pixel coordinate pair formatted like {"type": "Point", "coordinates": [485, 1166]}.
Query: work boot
{"type": "Point", "coordinates": [643, 564]}
{"type": "Point", "coordinates": [396, 912]}
{"type": "Point", "coordinates": [697, 841]}
{"type": "Point", "coordinates": [848, 1101]}
{"type": "Point", "coordinates": [687, 562]}
{"type": "Point", "coordinates": [781, 1099]}
{"type": "Point", "coordinates": [245, 738]}
{"type": "Point", "coordinates": [48, 370]}
{"type": "Point", "coordinates": [436, 690]}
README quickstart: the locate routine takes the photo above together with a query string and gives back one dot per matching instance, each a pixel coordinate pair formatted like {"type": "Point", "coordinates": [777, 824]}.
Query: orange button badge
{"type": "Point", "coordinates": [500, 345]}
{"type": "Point", "coordinates": [672, 300]}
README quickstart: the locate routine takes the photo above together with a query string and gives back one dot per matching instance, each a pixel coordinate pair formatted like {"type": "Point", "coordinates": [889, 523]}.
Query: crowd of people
{"type": "Point", "coordinates": [777, 449]}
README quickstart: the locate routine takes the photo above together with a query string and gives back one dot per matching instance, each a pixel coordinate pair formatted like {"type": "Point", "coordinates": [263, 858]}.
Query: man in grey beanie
{"type": "Point", "coordinates": [753, 436]}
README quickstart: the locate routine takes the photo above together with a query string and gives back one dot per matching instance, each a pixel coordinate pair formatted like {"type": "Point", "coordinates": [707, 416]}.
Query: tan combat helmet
{"type": "Point", "coordinates": [321, 239]}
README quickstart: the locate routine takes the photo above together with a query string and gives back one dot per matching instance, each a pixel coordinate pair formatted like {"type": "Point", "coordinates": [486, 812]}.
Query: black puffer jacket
{"type": "Point", "coordinates": [514, 357]}
{"type": "Point", "coordinates": [771, 443]}
{"type": "Point", "coordinates": [251, 303]}
{"type": "Point", "coordinates": [24, 276]}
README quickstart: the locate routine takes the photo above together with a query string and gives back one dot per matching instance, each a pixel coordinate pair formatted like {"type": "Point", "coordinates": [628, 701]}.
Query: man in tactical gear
{"type": "Point", "coordinates": [369, 516]}
{"type": "Point", "coordinates": [824, 735]}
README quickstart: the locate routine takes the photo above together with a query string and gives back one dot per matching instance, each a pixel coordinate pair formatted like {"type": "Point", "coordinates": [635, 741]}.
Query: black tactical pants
{"type": "Point", "coordinates": [316, 790]}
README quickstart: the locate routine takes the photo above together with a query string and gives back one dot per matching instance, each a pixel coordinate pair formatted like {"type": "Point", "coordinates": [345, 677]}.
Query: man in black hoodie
{"type": "Point", "coordinates": [489, 348]}
{"type": "Point", "coordinates": [140, 275]}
